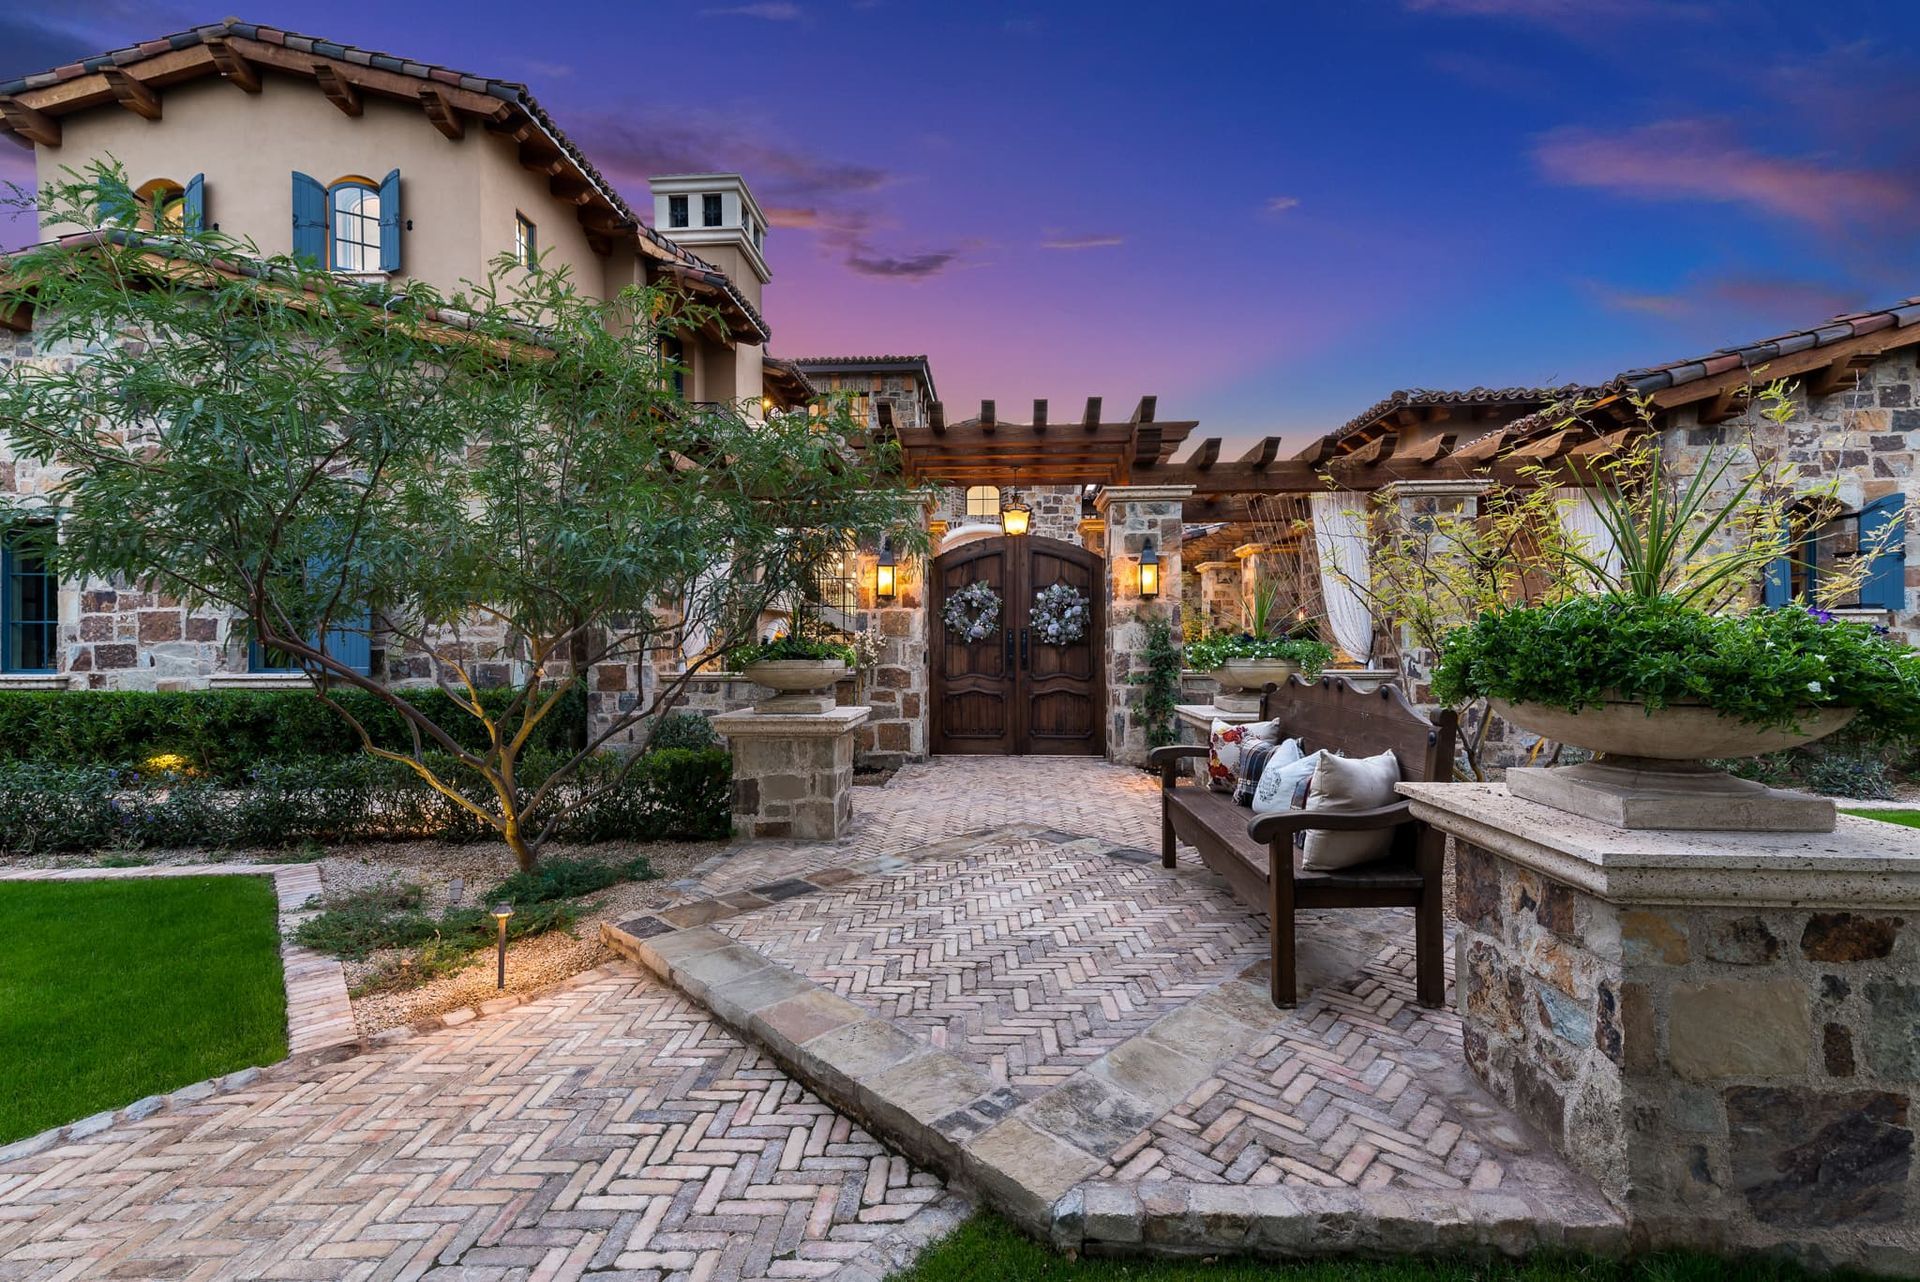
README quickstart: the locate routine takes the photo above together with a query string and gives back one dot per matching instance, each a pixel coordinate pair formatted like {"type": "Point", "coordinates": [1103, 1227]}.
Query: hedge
{"type": "Point", "coordinates": [671, 794]}
{"type": "Point", "coordinates": [225, 733]}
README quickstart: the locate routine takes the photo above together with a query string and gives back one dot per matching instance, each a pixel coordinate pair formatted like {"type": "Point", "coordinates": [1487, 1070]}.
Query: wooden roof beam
{"type": "Point", "coordinates": [131, 94]}
{"type": "Point", "coordinates": [337, 89]}
{"type": "Point", "coordinates": [233, 65]}
{"type": "Point", "coordinates": [1826, 381]}
{"type": "Point", "coordinates": [937, 418]}
{"type": "Point", "coordinates": [1091, 419]}
{"type": "Point", "coordinates": [445, 116]}
{"type": "Point", "coordinates": [30, 123]}
{"type": "Point", "coordinates": [1143, 412]}
{"type": "Point", "coordinates": [1377, 450]}
{"type": "Point", "coordinates": [1264, 451]}
{"type": "Point", "coordinates": [988, 421]}
{"type": "Point", "coordinates": [1728, 403]}
{"type": "Point", "coordinates": [1040, 415]}
{"type": "Point", "coordinates": [1206, 454]}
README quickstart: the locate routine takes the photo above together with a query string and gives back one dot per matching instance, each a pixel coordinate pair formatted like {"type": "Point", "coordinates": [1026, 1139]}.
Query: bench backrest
{"type": "Point", "coordinates": [1330, 713]}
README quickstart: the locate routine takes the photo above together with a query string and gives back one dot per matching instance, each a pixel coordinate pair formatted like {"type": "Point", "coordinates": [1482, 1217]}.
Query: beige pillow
{"type": "Point", "coordinates": [1347, 785]}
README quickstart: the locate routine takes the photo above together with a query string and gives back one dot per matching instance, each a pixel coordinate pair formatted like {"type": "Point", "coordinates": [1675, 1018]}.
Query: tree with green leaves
{"type": "Point", "coordinates": [502, 482]}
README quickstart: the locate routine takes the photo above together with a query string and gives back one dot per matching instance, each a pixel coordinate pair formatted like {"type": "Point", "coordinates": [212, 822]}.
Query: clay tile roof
{"type": "Point", "coordinates": [1658, 378]}
{"type": "Point", "coordinates": [509, 91]}
{"type": "Point", "coordinates": [1427, 396]}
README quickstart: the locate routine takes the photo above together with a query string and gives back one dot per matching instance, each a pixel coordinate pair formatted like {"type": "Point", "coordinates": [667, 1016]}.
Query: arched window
{"type": "Point", "coordinates": [353, 225]}
{"type": "Point", "coordinates": [162, 205]}
{"type": "Point", "coordinates": [983, 501]}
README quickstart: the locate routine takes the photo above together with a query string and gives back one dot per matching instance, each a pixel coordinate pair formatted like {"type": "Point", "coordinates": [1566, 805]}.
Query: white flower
{"type": "Point", "coordinates": [1814, 686]}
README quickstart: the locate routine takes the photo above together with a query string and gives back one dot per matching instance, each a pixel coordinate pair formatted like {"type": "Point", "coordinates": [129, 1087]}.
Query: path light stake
{"type": "Point", "coordinates": [883, 572]}
{"type": "Point", "coordinates": [1149, 571]}
{"type": "Point", "coordinates": [501, 912]}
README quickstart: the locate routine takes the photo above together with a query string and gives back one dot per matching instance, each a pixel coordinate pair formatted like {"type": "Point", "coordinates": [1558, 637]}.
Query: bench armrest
{"type": "Point", "coordinates": [1162, 757]}
{"type": "Point", "coordinates": [1266, 828]}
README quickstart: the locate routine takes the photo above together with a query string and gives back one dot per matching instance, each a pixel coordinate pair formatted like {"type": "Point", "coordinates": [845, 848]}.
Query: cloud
{"type": "Point", "coordinates": [1700, 160]}
{"type": "Point", "coordinates": [1280, 204]}
{"type": "Point", "coordinates": [1767, 300]}
{"type": "Point", "coordinates": [833, 200]}
{"type": "Point", "coordinates": [1094, 240]}
{"type": "Point", "coordinates": [771, 10]}
{"type": "Point", "coordinates": [910, 267]}
{"type": "Point", "coordinates": [1570, 16]}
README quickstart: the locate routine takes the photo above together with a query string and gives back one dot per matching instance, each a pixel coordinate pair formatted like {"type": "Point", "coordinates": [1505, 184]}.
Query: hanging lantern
{"type": "Point", "coordinates": [1149, 571]}
{"type": "Point", "coordinates": [1015, 517]}
{"type": "Point", "coordinates": [884, 572]}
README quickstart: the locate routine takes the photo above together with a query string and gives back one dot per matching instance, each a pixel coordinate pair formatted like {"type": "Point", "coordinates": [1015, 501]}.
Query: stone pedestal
{"type": "Point", "coordinates": [1721, 1028]}
{"type": "Point", "coordinates": [792, 774]}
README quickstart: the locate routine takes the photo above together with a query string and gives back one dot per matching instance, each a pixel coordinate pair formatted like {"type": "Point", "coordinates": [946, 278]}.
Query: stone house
{"type": "Point", "coordinates": [384, 169]}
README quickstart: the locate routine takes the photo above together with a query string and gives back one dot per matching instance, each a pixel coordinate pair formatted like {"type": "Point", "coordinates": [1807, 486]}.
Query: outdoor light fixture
{"type": "Point", "coordinates": [1015, 516]}
{"type": "Point", "coordinates": [500, 914]}
{"type": "Point", "coordinates": [1149, 570]}
{"type": "Point", "coordinates": [884, 571]}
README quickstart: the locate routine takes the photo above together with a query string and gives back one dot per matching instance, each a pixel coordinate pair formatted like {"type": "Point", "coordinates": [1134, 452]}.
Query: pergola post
{"type": "Point", "coordinates": [1136, 516]}
{"type": "Point", "coordinates": [897, 688]}
{"type": "Point", "coordinates": [1220, 594]}
{"type": "Point", "coordinates": [1255, 564]}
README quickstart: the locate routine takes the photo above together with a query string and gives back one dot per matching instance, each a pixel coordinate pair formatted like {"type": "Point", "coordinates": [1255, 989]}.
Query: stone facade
{"type": "Point", "coordinates": [1056, 509]}
{"type": "Point", "coordinates": [1220, 594]}
{"type": "Point", "coordinates": [792, 774]}
{"type": "Point", "coordinates": [1134, 516]}
{"type": "Point", "coordinates": [1726, 1038]}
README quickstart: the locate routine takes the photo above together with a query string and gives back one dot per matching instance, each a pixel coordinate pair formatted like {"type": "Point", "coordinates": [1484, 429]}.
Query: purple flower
{"type": "Point", "coordinates": [1821, 616]}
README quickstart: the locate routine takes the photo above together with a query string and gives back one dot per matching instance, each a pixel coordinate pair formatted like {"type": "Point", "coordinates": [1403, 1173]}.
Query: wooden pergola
{"type": "Point", "coordinates": [986, 450]}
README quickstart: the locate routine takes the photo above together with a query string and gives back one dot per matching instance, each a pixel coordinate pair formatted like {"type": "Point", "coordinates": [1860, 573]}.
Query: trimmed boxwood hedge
{"type": "Point", "coordinates": [670, 794]}
{"type": "Point", "coordinates": [225, 733]}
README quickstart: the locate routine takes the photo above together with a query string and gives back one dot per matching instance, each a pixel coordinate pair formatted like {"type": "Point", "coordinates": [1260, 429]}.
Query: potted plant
{"type": "Point", "coordinates": [797, 667]}
{"type": "Point", "coordinates": [1660, 661]}
{"type": "Point", "coordinates": [1260, 655]}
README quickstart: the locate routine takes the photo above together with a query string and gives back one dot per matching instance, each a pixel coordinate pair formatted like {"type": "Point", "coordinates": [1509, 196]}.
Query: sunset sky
{"type": "Point", "coordinates": [1268, 215]}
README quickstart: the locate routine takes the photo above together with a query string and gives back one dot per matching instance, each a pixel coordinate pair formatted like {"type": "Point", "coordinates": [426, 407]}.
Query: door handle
{"type": "Point", "coordinates": [1023, 648]}
{"type": "Point", "coordinates": [1008, 633]}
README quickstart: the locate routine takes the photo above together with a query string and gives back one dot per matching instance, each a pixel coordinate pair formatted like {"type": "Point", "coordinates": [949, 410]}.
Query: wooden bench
{"type": "Point", "coordinates": [1256, 854]}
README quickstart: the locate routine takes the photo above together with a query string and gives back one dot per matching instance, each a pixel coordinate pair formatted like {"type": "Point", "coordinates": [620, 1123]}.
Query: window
{"type": "Point", "coordinates": [353, 225]}
{"type": "Point", "coordinates": [163, 206]}
{"type": "Point", "coordinates": [674, 352]}
{"type": "Point", "coordinates": [526, 242]}
{"type": "Point", "coordinates": [676, 211]}
{"type": "Point", "coordinates": [1831, 540]}
{"type": "Point", "coordinates": [710, 209]}
{"type": "Point", "coordinates": [29, 606]}
{"type": "Point", "coordinates": [983, 501]}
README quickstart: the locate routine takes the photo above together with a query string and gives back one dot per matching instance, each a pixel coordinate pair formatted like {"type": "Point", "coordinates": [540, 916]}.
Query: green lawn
{"type": "Point", "coordinates": [1905, 818]}
{"type": "Point", "coordinates": [113, 990]}
{"type": "Point", "coordinates": [986, 1249]}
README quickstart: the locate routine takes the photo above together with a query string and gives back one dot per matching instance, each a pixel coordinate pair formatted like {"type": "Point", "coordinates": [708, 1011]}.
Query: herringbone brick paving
{"type": "Point", "coordinates": [609, 1127]}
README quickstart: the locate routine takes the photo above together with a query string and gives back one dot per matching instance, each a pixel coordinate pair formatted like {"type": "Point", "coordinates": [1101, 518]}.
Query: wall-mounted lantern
{"type": "Point", "coordinates": [884, 572]}
{"type": "Point", "coordinates": [1015, 517]}
{"type": "Point", "coordinates": [1149, 571]}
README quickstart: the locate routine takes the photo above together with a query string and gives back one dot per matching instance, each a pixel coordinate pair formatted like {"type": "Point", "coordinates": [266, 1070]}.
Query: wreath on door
{"type": "Point", "coordinates": [973, 612]}
{"type": "Point", "coordinates": [1059, 615]}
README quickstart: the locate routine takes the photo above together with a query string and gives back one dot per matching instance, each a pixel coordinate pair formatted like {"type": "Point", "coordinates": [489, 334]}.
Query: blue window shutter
{"type": "Point", "coordinates": [1885, 586]}
{"type": "Point", "coordinates": [193, 213]}
{"type": "Point", "coordinates": [352, 646]}
{"type": "Point", "coordinates": [309, 220]}
{"type": "Point", "coordinates": [1777, 588]}
{"type": "Point", "coordinates": [390, 222]}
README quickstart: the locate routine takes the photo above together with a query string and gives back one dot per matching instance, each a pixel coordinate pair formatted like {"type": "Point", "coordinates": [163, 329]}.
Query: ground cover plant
{"type": "Point", "coordinates": [987, 1249]}
{"type": "Point", "coordinates": [335, 463]}
{"type": "Point", "coordinates": [114, 990]}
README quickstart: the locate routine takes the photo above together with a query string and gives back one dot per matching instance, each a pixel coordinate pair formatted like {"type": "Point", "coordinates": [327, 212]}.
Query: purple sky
{"type": "Point", "coordinates": [1269, 215]}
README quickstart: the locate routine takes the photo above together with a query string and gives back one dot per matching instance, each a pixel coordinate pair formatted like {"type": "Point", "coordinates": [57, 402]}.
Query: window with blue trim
{"type": "Point", "coordinates": [353, 225]}
{"type": "Point", "coordinates": [1878, 530]}
{"type": "Point", "coordinates": [29, 606]}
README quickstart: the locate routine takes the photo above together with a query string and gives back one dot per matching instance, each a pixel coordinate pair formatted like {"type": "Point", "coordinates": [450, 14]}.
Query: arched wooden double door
{"type": "Point", "coordinates": [1008, 692]}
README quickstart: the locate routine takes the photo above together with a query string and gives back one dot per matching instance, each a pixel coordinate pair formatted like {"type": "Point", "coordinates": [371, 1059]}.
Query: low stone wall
{"type": "Point", "coordinates": [792, 773]}
{"type": "Point", "coordinates": [1721, 1029]}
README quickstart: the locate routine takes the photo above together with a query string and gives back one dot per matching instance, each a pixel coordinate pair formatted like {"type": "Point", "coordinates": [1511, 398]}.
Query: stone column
{"type": "Point", "coordinates": [1134, 515]}
{"type": "Point", "coordinates": [1255, 563]}
{"type": "Point", "coordinates": [1220, 594]}
{"type": "Point", "coordinates": [1722, 1029]}
{"type": "Point", "coordinates": [897, 689]}
{"type": "Point", "coordinates": [793, 772]}
{"type": "Point", "coordinates": [1093, 534]}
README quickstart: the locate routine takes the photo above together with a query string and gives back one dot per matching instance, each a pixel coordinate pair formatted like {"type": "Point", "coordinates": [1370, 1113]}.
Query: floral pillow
{"type": "Point", "coordinates": [1225, 745]}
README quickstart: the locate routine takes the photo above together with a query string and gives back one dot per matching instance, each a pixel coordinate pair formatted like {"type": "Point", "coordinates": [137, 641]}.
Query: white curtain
{"type": "Point", "coordinates": [1340, 537]}
{"type": "Point", "coordinates": [1580, 520]}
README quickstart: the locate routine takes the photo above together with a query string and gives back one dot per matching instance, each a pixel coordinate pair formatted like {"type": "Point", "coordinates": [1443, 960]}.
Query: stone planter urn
{"type": "Point", "coordinates": [798, 682]}
{"type": "Point", "coordinates": [1243, 680]}
{"type": "Point", "coordinates": [1649, 771]}
{"type": "Point", "coordinates": [1365, 680]}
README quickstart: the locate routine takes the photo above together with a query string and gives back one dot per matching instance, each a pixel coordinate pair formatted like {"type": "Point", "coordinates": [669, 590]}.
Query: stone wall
{"type": "Point", "coordinates": [1731, 1076]}
{"type": "Point", "coordinates": [1056, 509]}
{"type": "Point", "coordinates": [1135, 515]}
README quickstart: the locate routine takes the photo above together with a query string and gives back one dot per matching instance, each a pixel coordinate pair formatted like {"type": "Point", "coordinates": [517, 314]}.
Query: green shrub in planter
{"type": "Point", "coordinates": [1209, 652]}
{"type": "Point", "coordinates": [1763, 668]}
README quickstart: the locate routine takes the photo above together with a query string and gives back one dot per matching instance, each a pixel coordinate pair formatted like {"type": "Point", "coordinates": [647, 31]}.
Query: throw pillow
{"type": "Point", "coordinates": [1256, 758]}
{"type": "Point", "coordinates": [1346, 785]}
{"type": "Point", "coordinates": [1277, 785]}
{"type": "Point", "coordinates": [1224, 746]}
